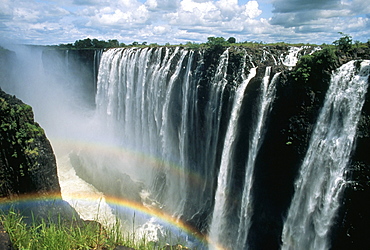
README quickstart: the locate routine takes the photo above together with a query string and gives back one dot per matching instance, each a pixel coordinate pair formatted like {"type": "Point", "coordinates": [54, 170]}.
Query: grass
{"type": "Point", "coordinates": [67, 235]}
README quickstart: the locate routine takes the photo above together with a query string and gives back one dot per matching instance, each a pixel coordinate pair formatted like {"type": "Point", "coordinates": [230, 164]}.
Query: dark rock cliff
{"type": "Point", "coordinates": [288, 130]}
{"type": "Point", "coordinates": [27, 161]}
{"type": "Point", "coordinates": [28, 171]}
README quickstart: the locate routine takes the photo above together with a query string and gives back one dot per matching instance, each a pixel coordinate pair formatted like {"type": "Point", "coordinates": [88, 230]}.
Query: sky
{"type": "Point", "coordinates": [52, 22]}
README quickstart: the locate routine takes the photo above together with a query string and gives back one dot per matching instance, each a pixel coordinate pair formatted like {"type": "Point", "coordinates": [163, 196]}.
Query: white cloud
{"type": "Point", "coordinates": [205, 15]}
{"type": "Point", "coordinates": [26, 15]}
{"type": "Point", "coordinates": [124, 14]}
{"type": "Point", "coordinates": [251, 9]}
{"type": "Point", "coordinates": [179, 21]}
{"type": "Point", "coordinates": [151, 4]}
{"type": "Point", "coordinates": [157, 30]}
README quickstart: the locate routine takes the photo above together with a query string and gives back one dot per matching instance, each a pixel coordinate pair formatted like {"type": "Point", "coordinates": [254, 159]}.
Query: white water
{"type": "Point", "coordinates": [88, 202]}
{"type": "Point", "coordinates": [321, 179]}
{"type": "Point", "coordinates": [213, 122]}
{"type": "Point", "coordinates": [135, 99]}
{"type": "Point", "coordinates": [292, 58]}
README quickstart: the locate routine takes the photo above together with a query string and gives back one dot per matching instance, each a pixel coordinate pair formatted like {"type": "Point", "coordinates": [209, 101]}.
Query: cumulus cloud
{"type": "Point", "coordinates": [223, 16]}
{"type": "Point", "coordinates": [178, 21]}
{"type": "Point", "coordinates": [119, 16]}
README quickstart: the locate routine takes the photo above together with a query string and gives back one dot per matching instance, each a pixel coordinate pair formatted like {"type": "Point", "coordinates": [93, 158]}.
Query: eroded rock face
{"type": "Point", "coordinates": [27, 161]}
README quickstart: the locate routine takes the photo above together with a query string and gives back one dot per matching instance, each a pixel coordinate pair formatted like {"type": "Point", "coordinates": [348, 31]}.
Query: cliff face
{"type": "Point", "coordinates": [27, 161]}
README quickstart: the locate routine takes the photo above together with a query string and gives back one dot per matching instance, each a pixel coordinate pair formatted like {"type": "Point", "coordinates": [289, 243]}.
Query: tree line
{"type": "Point", "coordinates": [345, 43]}
{"type": "Point", "coordinates": [114, 43]}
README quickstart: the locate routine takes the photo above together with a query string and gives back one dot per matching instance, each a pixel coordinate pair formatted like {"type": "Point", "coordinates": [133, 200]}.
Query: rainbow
{"type": "Point", "coordinates": [111, 151]}
{"type": "Point", "coordinates": [116, 202]}
{"type": "Point", "coordinates": [64, 146]}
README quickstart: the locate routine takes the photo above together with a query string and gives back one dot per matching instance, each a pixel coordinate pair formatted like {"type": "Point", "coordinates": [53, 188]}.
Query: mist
{"type": "Point", "coordinates": [62, 95]}
{"type": "Point", "coordinates": [57, 97]}
{"type": "Point", "coordinates": [63, 105]}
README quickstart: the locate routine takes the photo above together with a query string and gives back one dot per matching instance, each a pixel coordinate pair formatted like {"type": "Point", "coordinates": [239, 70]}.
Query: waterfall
{"type": "Point", "coordinates": [96, 63]}
{"type": "Point", "coordinates": [267, 96]}
{"type": "Point", "coordinates": [203, 120]}
{"type": "Point", "coordinates": [321, 179]}
{"type": "Point", "coordinates": [219, 217]}
{"type": "Point", "coordinates": [221, 229]}
{"type": "Point", "coordinates": [151, 99]}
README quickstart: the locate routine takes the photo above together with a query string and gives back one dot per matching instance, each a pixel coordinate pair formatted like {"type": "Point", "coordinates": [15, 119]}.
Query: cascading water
{"type": "Point", "coordinates": [221, 228]}
{"type": "Point", "coordinates": [219, 223]}
{"type": "Point", "coordinates": [266, 98]}
{"type": "Point", "coordinates": [96, 63]}
{"type": "Point", "coordinates": [291, 59]}
{"type": "Point", "coordinates": [321, 179]}
{"type": "Point", "coordinates": [153, 101]}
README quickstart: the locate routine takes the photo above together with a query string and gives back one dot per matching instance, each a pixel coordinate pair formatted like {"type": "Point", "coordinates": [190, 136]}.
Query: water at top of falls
{"type": "Point", "coordinates": [265, 56]}
{"type": "Point", "coordinates": [321, 179]}
{"type": "Point", "coordinates": [291, 59]}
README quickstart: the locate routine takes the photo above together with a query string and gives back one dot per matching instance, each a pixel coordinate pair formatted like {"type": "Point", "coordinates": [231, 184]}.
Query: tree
{"type": "Point", "coordinates": [231, 40]}
{"type": "Point", "coordinates": [216, 45]}
{"type": "Point", "coordinates": [344, 43]}
{"type": "Point", "coordinates": [113, 43]}
{"type": "Point", "coordinates": [86, 43]}
{"type": "Point", "coordinates": [216, 41]}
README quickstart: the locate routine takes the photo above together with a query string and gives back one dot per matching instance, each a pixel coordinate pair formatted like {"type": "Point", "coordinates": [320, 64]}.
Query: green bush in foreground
{"type": "Point", "coordinates": [72, 235]}
{"type": "Point", "coordinates": [64, 235]}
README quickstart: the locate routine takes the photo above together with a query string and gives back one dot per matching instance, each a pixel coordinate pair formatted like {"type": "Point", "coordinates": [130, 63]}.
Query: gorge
{"type": "Point", "coordinates": [227, 140]}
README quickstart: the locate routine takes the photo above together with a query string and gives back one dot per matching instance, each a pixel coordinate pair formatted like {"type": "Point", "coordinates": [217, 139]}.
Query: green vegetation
{"type": "Point", "coordinates": [313, 66]}
{"type": "Point", "coordinates": [13, 121]}
{"type": "Point", "coordinates": [20, 144]}
{"type": "Point", "coordinates": [231, 40]}
{"type": "Point", "coordinates": [344, 43]}
{"type": "Point", "coordinates": [74, 234]}
{"type": "Point", "coordinates": [60, 235]}
{"type": "Point", "coordinates": [92, 44]}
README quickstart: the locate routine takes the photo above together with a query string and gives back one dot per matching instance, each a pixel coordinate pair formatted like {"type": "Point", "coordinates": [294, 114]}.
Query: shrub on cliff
{"type": "Point", "coordinates": [344, 44]}
{"type": "Point", "coordinates": [315, 66]}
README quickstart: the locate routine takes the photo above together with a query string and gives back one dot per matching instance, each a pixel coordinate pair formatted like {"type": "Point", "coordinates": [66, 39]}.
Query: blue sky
{"type": "Point", "coordinates": [180, 21]}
